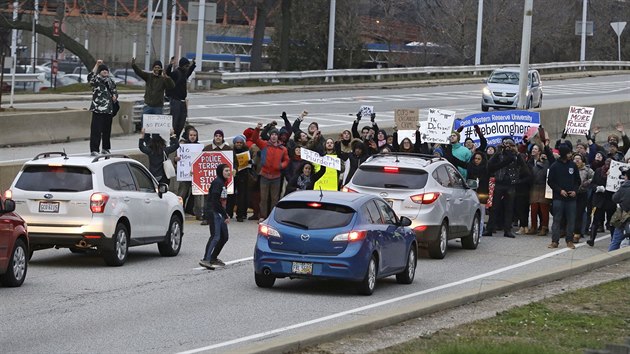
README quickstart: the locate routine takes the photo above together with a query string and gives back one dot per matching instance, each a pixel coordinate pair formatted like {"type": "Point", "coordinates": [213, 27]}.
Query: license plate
{"type": "Point", "coordinates": [48, 207]}
{"type": "Point", "coordinates": [302, 268]}
{"type": "Point", "coordinates": [503, 101]}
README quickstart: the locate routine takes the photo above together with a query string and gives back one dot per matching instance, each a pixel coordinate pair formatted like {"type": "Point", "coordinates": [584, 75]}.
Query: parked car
{"type": "Point", "coordinates": [14, 245]}
{"type": "Point", "coordinates": [334, 235]}
{"type": "Point", "coordinates": [82, 78]}
{"type": "Point", "coordinates": [107, 203]}
{"type": "Point", "coordinates": [501, 90]}
{"type": "Point", "coordinates": [129, 75]}
{"type": "Point", "coordinates": [429, 191]}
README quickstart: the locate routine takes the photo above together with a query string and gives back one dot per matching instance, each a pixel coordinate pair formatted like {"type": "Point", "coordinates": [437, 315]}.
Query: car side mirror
{"type": "Point", "coordinates": [472, 183]}
{"type": "Point", "coordinates": [9, 206]}
{"type": "Point", "coordinates": [162, 188]}
{"type": "Point", "coordinates": [485, 81]}
{"type": "Point", "coordinates": [405, 221]}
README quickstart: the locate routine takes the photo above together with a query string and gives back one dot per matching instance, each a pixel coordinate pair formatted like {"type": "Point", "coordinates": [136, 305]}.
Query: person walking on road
{"type": "Point", "coordinates": [177, 95]}
{"type": "Point", "coordinates": [104, 95]}
{"type": "Point", "coordinates": [217, 217]}
{"type": "Point", "coordinates": [564, 180]}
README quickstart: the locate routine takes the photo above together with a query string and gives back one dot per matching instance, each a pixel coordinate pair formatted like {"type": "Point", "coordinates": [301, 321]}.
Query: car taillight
{"type": "Point", "coordinates": [267, 231]}
{"type": "Point", "coordinates": [425, 198]}
{"type": "Point", "coordinates": [348, 190]}
{"type": "Point", "coordinates": [350, 236]}
{"type": "Point", "coordinates": [390, 169]}
{"type": "Point", "coordinates": [98, 202]}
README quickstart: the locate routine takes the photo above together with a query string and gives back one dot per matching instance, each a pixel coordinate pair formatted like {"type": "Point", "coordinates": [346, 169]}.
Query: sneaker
{"type": "Point", "coordinates": [531, 231]}
{"type": "Point", "coordinates": [553, 245]}
{"type": "Point", "coordinates": [206, 264]}
{"type": "Point", "coordinates": [253, 217]}
{"type": "Point", "coordinates": [105, 152]}
{"type": "Point", "coordinates": [204, 222]}
{"type": "Point", "coordinates": [570, 245]}
{"type": "Point", "coordinates": [576, 238]}
{"type": "Point", "coordinates": [509, 234]}
{"type": "Point", "coordinates": [590, 243]}
{"type": "Point", "coordinates": [521, 231]}
{"type": "Point", "coordinates": [239, 219]}
{"type": "Point", "coordinates": [217, 263]}
{"type": "Point", "coordinates": [94, 153]}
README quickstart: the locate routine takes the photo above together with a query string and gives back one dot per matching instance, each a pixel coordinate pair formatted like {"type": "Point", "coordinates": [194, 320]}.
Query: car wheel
{"type": "Point", "coordinates": [18, 264]}
{"type": "Point", "coordinates": [264, 281]}
{"type": "Point", "coordinates": [484, 108]}
{"type": "Point", "coordinates": [471, 241]}
{"type": "Point", "coordinates": [173, 242]}
{"type": "Point", "coordinates": [367, 285]}
{"type": "Point", "coordinates": [407, 275]}
{"type": "Point", "coordinates": [437, 248]}
{"type": "Point", "coordinates": [118, 255]}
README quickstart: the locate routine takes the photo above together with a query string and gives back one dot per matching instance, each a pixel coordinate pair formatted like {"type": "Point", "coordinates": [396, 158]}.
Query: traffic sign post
{"type": "Point", "coordinates": [56, 28]}
{"type": "Point", "coordinates": [204, 170]}
{"type": "Point", "coordinates": [618, 27]}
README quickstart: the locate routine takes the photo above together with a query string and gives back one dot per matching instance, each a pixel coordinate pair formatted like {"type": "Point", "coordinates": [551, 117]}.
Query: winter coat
{"type": "Point", "coordinates": [602, 200]}
{"type": "Point", "coordinates": [103, 88]}
{"type": "Point", "coordinates": [156, 160]}
{"type": "Point", "coordinates": [155, 87]}
{"type": "Point", "coordinates": [273, 158]}
{"type": "Point", "coordinates": [622, 196]}
{"type": "Point", "coordinates": [563, 175]}
{"type": "Point", "coordinates": [217, 195]}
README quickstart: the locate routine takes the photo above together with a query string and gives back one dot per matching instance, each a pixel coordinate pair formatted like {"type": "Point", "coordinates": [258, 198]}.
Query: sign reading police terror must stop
{"type": "Point", "coordinates": [204, 170]}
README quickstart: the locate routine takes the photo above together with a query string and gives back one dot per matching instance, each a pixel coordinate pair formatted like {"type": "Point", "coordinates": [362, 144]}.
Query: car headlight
{"type": "Point", "coordinates": [486, 91]}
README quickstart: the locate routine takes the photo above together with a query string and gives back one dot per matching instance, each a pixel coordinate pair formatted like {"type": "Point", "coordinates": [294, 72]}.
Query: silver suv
{"type": "Point", "coordinates": [105, 203]}
{"type": "Point", "coordinates": [501, 90]}
{"type": "Point", "coordinates": [429, 191]}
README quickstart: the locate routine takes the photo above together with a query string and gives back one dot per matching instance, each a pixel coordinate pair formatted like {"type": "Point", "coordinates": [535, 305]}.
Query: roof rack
{"type": "Point", "coordinates": [49, 154]}
{"type": "Point", "coordinates": [109, 156]}
{"type": "Point", "coordinates": [426, 157]}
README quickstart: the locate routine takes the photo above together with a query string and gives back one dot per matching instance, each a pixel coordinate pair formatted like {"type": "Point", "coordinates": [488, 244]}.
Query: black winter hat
{"type": "Point", "coordinates": [564, 150]}
{"type": "Point", "coordinates": [158, 63]}
{"type": "Point", "coordinates": [101, 68]}
{"type": "Point", "coordinates": [184, 61]}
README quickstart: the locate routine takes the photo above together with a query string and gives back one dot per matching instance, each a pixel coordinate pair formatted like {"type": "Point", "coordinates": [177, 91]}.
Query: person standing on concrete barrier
{"type": "Point", "coordinates": [177, 95]}
{"type": "Point", "coordinates": [157, 82]}
{"type": "Point", "coordinates": [104, 95]}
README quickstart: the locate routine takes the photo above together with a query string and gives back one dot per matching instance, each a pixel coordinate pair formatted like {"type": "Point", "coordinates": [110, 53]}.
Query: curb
{"type": "Point", "coordinates": [419, 309]}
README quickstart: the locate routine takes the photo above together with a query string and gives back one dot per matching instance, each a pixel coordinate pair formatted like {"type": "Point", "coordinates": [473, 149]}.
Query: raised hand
{"type": "Point", "coordinates": [619, 127]}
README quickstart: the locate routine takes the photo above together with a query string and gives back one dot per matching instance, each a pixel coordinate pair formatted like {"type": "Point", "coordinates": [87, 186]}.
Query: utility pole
{"type": "Point", "coordinates": [331, 38]}
{"type": "Point", "coordinates": [583, 42]}
{"type": "Point", "coordinates": [200, 34]}
{"type": "Point", "coordinates": [171, 47]}
{"type": "Point", "coordinates": [525, 44]}
{"type": "Point", "coordinates": [479, 32]}
{"type": "Point", "coordinates": [147, 50]}
{"type": "Point", "coordinates": [163, 39]}
{"type": "Point", "coordinates": [13, 52]}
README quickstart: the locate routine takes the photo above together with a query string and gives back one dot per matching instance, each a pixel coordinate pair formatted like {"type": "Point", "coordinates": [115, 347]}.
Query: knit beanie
{"type": "Point", "coordinates": [563, 150]}
{"type": "Point", "coordinates": [101, 68]}
{"type": "Point", "coordinates": [237, 138]}
{"type": "Point", "coordinates": [273, 131]}
{"type": "Point", "coordinates": [158, 63]}
{"type": "Point", "coordinates": [183, 61]}
{"type": "Point", "coordinates": [220, 132]}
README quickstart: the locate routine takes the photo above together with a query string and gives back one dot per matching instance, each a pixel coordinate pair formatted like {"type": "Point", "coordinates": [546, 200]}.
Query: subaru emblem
{"type": "Point", "coordinates": [48, 196]}
{"type": "Point", "coordinates": [305, 237]}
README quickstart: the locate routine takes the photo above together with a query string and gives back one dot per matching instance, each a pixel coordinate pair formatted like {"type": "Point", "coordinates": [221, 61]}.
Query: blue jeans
{"type": "Point", "coordinates": [617, 236]}
{"type": "Point", "coordinates": [218, 236]}
{"type": "Point", "coordinates": [563, 210]}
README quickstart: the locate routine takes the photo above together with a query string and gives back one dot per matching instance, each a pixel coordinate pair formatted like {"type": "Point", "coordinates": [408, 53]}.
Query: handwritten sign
{"type": "Point", "coordinates": [242, 160]}
{"type": "Point", "coordinates": [402, 134]}
{"type": "Point", "coordinates": [579, 120]}
{"type": "Point", "coordinates": [614, 180]}
{"type": "Point", "coordinates": [157, 124]}
{"type": "Point", "coordinates": [406, 119]}
{"type": "Point", "coordinates": [366, 111]}
{"type": "Point", "coordinates": [438, 126]}
{"type": "Point", "coordinates": [204, 170]}
{"type": "Point", "coordinates": [497, 125]}
{"type": "Point", "coordinates": [187, 153]}
{"type": "Point", "coordinates": [314, 157]}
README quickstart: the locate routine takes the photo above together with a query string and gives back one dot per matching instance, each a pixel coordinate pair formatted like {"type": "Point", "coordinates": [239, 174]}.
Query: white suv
{"type": "Point", "coordinates": [105, 203]}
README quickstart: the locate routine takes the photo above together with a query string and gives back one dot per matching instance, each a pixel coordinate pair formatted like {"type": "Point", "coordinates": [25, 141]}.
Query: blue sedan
{"type": "Point", "coordinates": [334, 235]}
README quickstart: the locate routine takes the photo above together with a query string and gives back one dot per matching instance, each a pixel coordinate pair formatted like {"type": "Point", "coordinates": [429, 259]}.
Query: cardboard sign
{"type": "Point", "coordinates": [187, 153]}
{"type": "Point", "coordinates": [498, 124]}
{"type": "Point", "coordinates": [314, 157]}
{"type": "Point", "coordinates": [438, 127]}
{"type": "Point", "coordinates": [242, 161]}
{"type": "Point", "coordinates": [157, 124]}
{"type": "Point", "coordinates": [406, 119]}
{"type": "Point", "coordinates": [366, 111]}
{"type": "Point", "coordinates": [579, 120]}
{"type": "Point", "coordinates": [614, 179]}
{"type": "Point", "coordinates": [204, 170]}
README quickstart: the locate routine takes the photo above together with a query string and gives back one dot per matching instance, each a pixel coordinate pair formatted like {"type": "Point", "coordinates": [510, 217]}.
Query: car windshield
{"type": "Point", "coordinates": [55, 179]}
{"type": "Point", "coordinates": [379, 177]}
{"type": "Point", "coordinates": [504, 78]}
{"type": "Point", "coordinates": [313, 215]}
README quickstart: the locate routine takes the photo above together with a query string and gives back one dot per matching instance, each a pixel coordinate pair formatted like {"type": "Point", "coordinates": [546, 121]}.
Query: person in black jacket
{"type": "Point", "coordinates": [306, 179]}
{"type": "Point", "coordinates": [564, 180]}
{"type": "Point", "coordinates": [622, 197]}
{"type": "Point", "coordinates": [353, 160]}
{"type": "Point", "coordinates": [177, 95]}
{"type": "Point", "coordinates": [155, 148]}
{"type": "Point", "coordinates": [602, 201]}
{"type": "Point", "coordinates": [217, 217]}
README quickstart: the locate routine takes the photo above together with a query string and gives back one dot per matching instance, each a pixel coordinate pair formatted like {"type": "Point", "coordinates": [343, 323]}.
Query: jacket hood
{"type": "Point", "coordinates": [219, 171]}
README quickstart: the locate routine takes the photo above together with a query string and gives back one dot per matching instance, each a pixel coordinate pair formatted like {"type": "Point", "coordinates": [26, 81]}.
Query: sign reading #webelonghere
{"type": "Point", "coordinates": [497, 125]}
{"type": "Point", "coordinates": [406, 119]}
{"type": "Point", "coordinates": [438, 127]}
{"type": "Point", "coordinates": [579, 120]}
{"type": "Point", "coordinates": [157, 124]}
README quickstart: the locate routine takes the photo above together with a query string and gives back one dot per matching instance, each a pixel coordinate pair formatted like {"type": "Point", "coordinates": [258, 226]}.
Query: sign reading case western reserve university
{"type": "Point", "coordinates": [497, 125]}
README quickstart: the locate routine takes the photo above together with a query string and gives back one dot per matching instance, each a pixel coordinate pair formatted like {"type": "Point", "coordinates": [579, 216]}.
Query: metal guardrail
{"type": "Point", "coordinates": [36, 77]}
{"type": "Point", "coordinates": [379, 74]}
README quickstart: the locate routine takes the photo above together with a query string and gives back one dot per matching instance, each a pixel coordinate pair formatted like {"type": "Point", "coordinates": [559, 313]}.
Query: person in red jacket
{"type": "Point", "coordinates": [273, 159]}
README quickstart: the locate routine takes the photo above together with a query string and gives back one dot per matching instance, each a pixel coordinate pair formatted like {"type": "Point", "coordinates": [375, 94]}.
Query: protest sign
{"type": "Point", "coordinates": [402, 134]}
{"type": "Point", "coordinates": [406, 119]}
{"type": "Point", "coordinates": [366, 111]}
{"type": "Point", "coordinates": [614, 180]}
{"type": "Point", "coordinates": [242, 161]}
{"type": "Point", "coordinates": [204, 170]}
{"type": "Point", "coordinates": [497, 125]}
{"type": "Point", "coordinates": [187, 153]}
{"type": "Point", "coordinates": [438, 127]}
{"type": "Point", "coordinates": [579, 120]}
{"type": "Point", "coordinates": [157, 124]}
{"type": "Point", "coordinates": [314, 157]}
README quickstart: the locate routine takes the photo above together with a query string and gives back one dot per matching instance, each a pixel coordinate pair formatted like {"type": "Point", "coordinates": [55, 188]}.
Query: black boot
{"type": "Point", "coordinates": [591, 240]}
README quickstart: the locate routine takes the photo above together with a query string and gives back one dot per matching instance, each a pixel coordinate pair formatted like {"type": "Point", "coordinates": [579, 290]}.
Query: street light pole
{"type": "Point", "coordinates": [525, 44]}
{"type": "Point", "coordinates": [583, 41]}
{"type": "Point", "coordinates": [147, 50]}
{"type": "Point", "coordinates": [331, 38]}
{"type": "Point", "coordinates": [13, 52]}
{"type": "Point", "coordinates": [479, 31]}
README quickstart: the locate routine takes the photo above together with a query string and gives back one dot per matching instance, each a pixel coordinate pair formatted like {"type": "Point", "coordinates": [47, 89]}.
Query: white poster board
{"type": "Point", "coordinates": [187, 153]}
{"type": "Point", "coordinates": [314, 157]}
{"type": "Point", "coordinates": [402, 134]}
{"type": "Point", "coordinates": [366, 111]}
{"type": "Point", "coordinates": [579, 120]}
{"type": "Point", "coordinates": [157, 124]}
{"type": "Point", "coordinates": [614, 179]}
{"type": "Point", "coordinates": [438, 127]}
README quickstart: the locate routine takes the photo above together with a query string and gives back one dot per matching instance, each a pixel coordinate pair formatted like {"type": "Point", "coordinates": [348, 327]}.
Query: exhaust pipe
{"type": "Point", "coordinates": [83, 244]}
{"type": "Point", "coordinates": [266, 271]}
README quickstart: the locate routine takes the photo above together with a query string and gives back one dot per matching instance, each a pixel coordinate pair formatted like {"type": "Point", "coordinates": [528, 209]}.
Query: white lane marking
{"type": "Point", "coordinates": [382, 303]}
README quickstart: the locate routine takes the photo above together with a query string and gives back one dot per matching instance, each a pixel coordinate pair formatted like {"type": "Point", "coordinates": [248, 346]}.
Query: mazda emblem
{"type": "Point", "coordinates": [305, 237]}
{"type": "Point", "coordinates": [48, 196]}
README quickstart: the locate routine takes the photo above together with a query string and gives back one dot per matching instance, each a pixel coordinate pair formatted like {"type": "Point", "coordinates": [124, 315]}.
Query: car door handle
{"type": "Point", "coordinates": [126, 199]}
